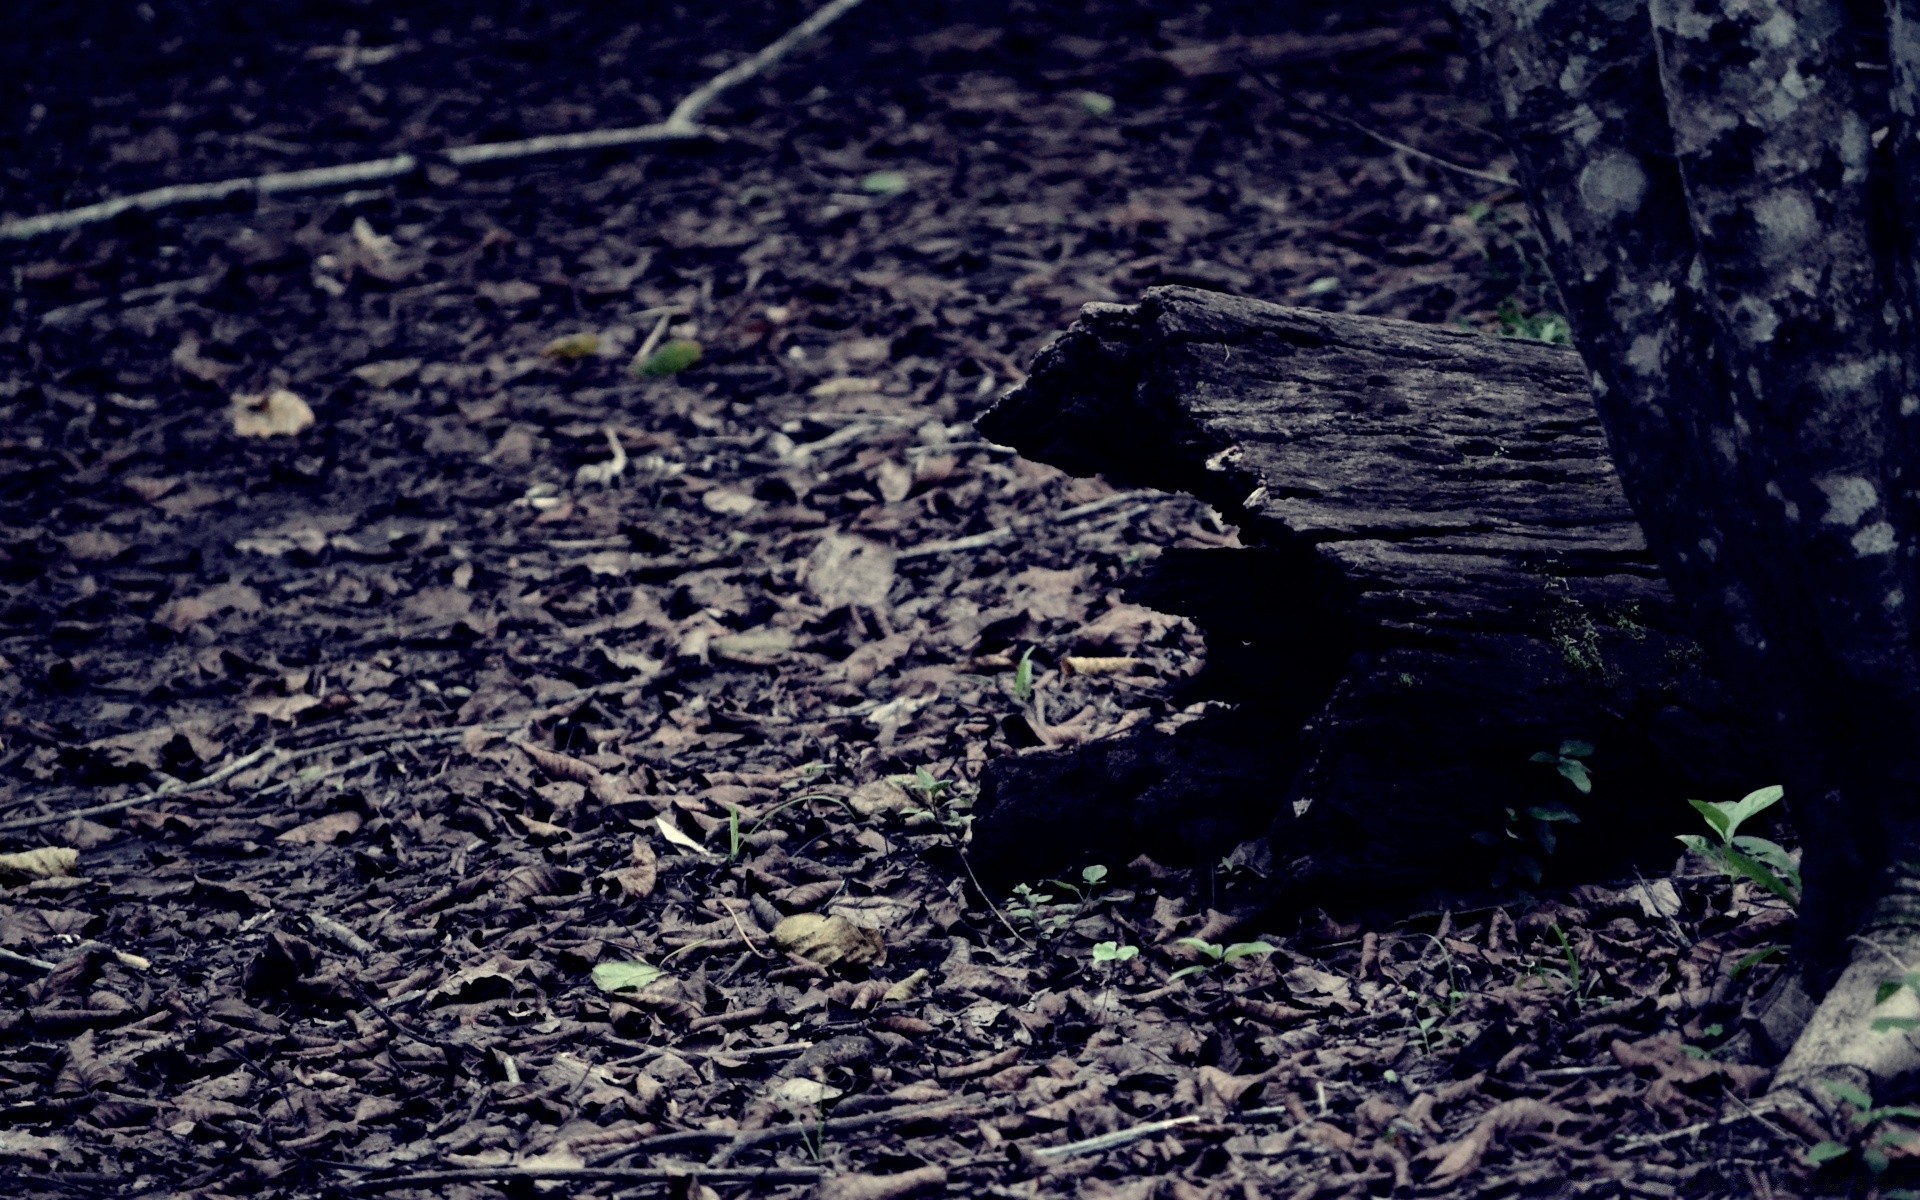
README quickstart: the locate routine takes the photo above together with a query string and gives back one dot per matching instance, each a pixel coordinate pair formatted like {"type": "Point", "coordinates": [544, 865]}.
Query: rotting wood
{"type": "Point", "coordinates": [1445, 579]}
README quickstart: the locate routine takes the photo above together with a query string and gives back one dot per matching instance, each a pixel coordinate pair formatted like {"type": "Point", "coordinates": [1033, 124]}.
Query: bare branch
{"type": "Point", "coordinates": [682, 125]}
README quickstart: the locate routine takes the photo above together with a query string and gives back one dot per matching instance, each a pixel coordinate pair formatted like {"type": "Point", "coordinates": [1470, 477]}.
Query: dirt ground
{"type": "Point", "coordinates": [449, 798]}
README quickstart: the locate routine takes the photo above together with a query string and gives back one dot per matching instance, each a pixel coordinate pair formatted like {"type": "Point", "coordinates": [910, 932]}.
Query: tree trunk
{"type": "Point", "coordinates": [1726, 193]}
{"type": "Point", "coordinates": [1447, 581]}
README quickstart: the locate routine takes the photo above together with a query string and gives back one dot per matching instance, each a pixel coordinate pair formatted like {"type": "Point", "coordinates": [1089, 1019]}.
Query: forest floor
{"type": "Point", "coordinates": [536, 760]}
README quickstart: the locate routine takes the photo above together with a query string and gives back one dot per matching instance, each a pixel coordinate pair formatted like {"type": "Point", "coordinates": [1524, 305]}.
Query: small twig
{"type": "Point", "coordinates": [1383, 139]}
{"type": "Point", "coordinates": [387, 740]}
{"type": "Point", "coordinates": [1117, 1137]}
{"type": "Point", "coordinates": [172, 789]}
{"type": "Point", "coordinates": [342, 934]}
{"type": "Point", "coordinates": [1122, 1137]}
{"type": "Point", "coordinates": [991, 906]}
{"type": "Point", "coordinates": [21, 964]}
{"type": "Point", "coordinates": [302, 779]}
{"type": "Point", "coordinates": [633, 1176]}
{"type": "Point", "coordinates": [749, 1139]}
{"type": "Point", "coordinates": [651, 342]}
{"type": "Point", "coordinates": [992, 537]}
{"type": "Point", "coordinates": [745, 937]}
{"type": "Point", "coordinates": [126, 299]}
{"type": "Point", "coordinates": [688, 112]}
{"type": "Point", "coordinates": [1751, 1112]}
{"type": "Point", "coordinates": [681, 125]}
{"type": "Point", "coordinates": [394, 1023]}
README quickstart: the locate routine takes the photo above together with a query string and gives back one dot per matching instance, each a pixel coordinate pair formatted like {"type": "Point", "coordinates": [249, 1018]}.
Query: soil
{"type": "Point", "coordinates": [458, 808]}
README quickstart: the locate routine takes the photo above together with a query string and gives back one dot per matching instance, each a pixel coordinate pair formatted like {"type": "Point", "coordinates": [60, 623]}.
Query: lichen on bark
{"type": "Point", "coordinates": [1730, 194]}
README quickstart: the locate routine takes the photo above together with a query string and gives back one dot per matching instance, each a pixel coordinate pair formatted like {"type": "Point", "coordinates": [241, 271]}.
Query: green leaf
{"type": "Point", "coordinates": [1886, 1024]}
{"type": "Point", "coordinates": [1543, 757]}
{"type": "Point", "coordinates": [1826, 1152]}
{"type": "Point", "coordinates": [1183, 972]}
{"type": "Point", "coordinates": [1574, 748]}
{"type": "Point", "coordinates": [670, 359]}
{"type": "Point", "coordinates": [1887, 991]}
{"type": "Point", "coordinates": [1716, 816]}
{"type": "Point", "coordinates": [1106, 952]}
{"type": "Point", "coordinates": [1576, 774]}
{"type": "Point", "coordinates": [1773, 854]}
{"type": "Point", "coordinates": [1212, 950]}
{"type": "Point", "coordinates": [1846, 1093]}
{"type": "Point", "coordinates": [1096, 104]}
{"type": "Point", "coordinates": [1246, 950]}
{"type": "Point", "coordinates": [628, 976]}
{"type": "Point", "coordinates": [1544, 813]}
{"type": "Point", "coordinates": [1739, 864]}
{"type": "Point", "coordinates": [1023, 677]}
{"type": "Point", "coordinates": [885, 183]}
{"type": "Point", "coordinates": [1752, 803]}
{"type": "Point", "coordinates": [1093, 875]}
{"type": "Point", "coordinates": [1753, 960]}
{"type": "Point", "coordinates": [1701, 846]}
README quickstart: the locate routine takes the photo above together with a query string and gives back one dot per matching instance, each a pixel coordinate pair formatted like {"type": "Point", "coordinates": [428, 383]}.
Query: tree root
{"type": "Point", "coordinates": [1864, 1035]}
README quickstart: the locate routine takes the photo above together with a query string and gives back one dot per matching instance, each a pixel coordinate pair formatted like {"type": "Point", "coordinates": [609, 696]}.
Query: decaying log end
{"type": "Point", "coordinates": [1448, 581]}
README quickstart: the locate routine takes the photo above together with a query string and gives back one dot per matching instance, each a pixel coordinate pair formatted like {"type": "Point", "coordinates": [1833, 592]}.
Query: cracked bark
{"type": "Point", "coordinates": [1735, 239]}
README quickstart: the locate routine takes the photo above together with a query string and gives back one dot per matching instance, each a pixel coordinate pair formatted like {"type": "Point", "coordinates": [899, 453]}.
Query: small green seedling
{"type": "Point", "coordinates": [1545, 326]}
{"type": "Point", "coordinates": [1023, 677]}
{"type": "Point", "coordinates": [1740, 856]}
{"type": "Point", "coordinates": [1113, 952]}
{"type": "Point", "coordinates": [930, 788]}
{"type": "Point", "coordinates": [1039, 911]}
{"type": "Point", "coordinates": [670, 359]}
{"type": "Point", "coordinates": [1216, 955]}
{"type": "Point", "coordinates": [1569, 760]}
{"type": "Point", "coordinates": [1569, 972]}
{"type": "Point", "coordinates": [885, 183]}
{"type": "Point", "coordinates": [1096, 104]}
{"type": "Point", "coordinates": [1878, 1139]}
{"type": "Point", "coordinates": [1091, 880]}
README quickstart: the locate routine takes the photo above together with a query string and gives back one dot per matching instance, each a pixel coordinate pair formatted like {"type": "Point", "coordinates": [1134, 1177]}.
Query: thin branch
{"type": "Point", "coordinates": [1393, 143]}
{"type": "Point", "coordinates": [633, 1176]}
{"type": "Point", "coordinates": [682, 125]}
{"type": "Point", "coordinates": [172, 789]}
{"type": "Point", "coordinates": [387, 741]}
{"type": "Point", "coordinates": [687, 113]}
{"type": "Point", "coordinates": [993, 537]}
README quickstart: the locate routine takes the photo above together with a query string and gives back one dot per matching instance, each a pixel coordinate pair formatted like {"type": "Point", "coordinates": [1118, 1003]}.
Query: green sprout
{"type": "Point", "coordinates": [1765, 863]}
{"type": "Point", "coordinates": [1215, 955]}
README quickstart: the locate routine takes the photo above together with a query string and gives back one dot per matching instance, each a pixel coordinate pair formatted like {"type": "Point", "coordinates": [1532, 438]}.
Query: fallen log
{"type": "Point", "coordinates": [1444, 582]}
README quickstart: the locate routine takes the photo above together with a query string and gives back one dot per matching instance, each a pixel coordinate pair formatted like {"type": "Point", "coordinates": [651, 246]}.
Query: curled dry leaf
{"type": "Point", "coordinates": [324, 831]}
{"type": "Point", "coordinates": [907, 988]}
{"type": "Point", "coordinates": [47, 862]}
{"type": "Point", "coordinates": [1460, 1158]}
{"type": "Point", "coordinates": [278, 413]}
{"type": "Point", "coordinates": [635, 882]}
{"type": "Point", "coordinates": [882, 797]}
{"type": "Point", "coordinates": [830, 941]}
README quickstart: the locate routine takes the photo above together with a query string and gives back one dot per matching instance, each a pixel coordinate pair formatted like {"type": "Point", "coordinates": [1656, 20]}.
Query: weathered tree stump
{"type": "Point", "coordinates": [1444, 579]}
